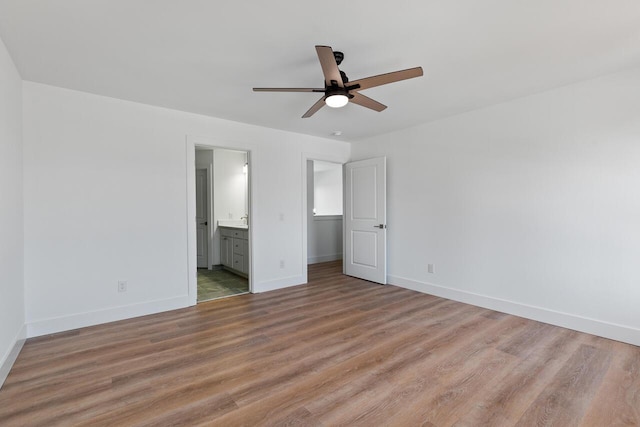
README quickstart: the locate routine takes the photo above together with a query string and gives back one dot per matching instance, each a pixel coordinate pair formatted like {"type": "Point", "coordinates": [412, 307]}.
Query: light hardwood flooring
{"type": "Point", "coordinates": [339, 351]}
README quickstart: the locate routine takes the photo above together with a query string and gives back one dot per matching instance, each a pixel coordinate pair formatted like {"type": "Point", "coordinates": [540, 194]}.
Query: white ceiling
{"type": "Point", "coordinates": [205, 56]}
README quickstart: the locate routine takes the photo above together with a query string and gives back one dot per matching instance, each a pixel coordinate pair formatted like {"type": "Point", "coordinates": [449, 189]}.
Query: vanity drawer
{"type": "Point", "coordinates": [239, 246]}
{"type": "Point", "coordinates": [240, 234]}
{"type": "Point", "coordinates": [238, 262]}
{"type": "Point", "coordinates": [232, 232]}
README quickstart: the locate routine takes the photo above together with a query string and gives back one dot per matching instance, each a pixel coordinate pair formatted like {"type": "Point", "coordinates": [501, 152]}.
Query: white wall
{"type": "Point", "coordinates": [105, 200]}
{"type": "Point", "coordinates": [204, 159]}
{"type": "Point", "coordinates": [328, 188]}
{"type": "Point", "coordinates": [11, 224]}
{"type": "Point", "coordinates": [230, 184]}
{"type": "Point", "coordinates": [324, 241]}
{"type": "Point", "coordinates": [530, 207]}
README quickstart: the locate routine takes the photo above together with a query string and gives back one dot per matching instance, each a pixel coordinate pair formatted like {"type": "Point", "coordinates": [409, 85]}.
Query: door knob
{"type": "Point", "coordinates": [380, 226]}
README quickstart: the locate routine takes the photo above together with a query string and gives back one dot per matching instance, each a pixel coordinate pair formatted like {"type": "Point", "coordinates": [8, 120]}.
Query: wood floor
{"type": "Point", "coordinates": [338, 351]}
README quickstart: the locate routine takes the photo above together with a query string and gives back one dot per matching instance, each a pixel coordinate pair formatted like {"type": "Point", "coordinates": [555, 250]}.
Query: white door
{"type": "Point", "coordinates": [202, 218]}
{"type": "Point", "coordinates": [365, 218]}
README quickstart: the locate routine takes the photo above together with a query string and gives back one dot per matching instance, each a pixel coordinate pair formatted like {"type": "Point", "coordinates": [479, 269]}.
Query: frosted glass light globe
{"type": "Point", "coordinates": [336, 101]}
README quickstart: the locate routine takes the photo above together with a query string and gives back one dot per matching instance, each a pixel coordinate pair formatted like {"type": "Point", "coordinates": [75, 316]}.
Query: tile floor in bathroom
{"type": "Point", "coordinates": [214, 284]}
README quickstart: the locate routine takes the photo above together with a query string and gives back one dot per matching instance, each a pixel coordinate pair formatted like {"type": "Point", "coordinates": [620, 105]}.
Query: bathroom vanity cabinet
{"type": "Point", "coordinates": [234, 249]}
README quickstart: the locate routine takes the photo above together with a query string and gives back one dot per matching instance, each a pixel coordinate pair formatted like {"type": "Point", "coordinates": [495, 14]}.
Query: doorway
{"type": "Point", "coordinates": [324, 211]}
{"type": "Point", "coordinates": [222, 222]}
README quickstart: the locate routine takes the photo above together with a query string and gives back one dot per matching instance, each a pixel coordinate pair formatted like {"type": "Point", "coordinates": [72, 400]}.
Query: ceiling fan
{"type": "Point", "coordinates": [338, 90]}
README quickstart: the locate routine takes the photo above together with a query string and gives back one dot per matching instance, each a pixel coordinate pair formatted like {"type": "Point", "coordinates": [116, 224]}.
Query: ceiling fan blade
{"type": "Point", "coordinates": [314, 108]}
{"type": "Point", "coordinates": [287, 89]}
{"type": "Point", "coordinates": [329, 66]}
{"type": "Point", "coordinates": [383, 79]}
{"type": "Point", "coordinates": [365, 101]}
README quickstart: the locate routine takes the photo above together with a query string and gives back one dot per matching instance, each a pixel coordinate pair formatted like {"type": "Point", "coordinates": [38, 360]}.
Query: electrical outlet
{"type": "Point", "coordinates": [431, 268]}
{"type": "Point", "coordinates": [122, 286]}
{"type": "Point", "coordinates": [281, 263]}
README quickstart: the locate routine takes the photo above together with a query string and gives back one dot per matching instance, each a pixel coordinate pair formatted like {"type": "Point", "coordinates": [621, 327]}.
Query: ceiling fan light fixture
{"type": "Point", "coordinates": [336, 100]}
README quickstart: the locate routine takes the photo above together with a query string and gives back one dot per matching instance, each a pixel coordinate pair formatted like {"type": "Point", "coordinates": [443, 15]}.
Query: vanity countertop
{"type": "Point", "coordinates": [240, 225]}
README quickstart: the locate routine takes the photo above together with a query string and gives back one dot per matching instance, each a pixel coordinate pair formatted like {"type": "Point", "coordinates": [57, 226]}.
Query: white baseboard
{"type": "Point", "coordinates": [80, 320]}
{"type": "Point", "coordinates": [324, 258]}
{"type": "Point", "coordinates": [12, 354]}
{"type": "Point", "coordinates": [571, 321]}
{"type": "Point", "coordinates": [272, 285]}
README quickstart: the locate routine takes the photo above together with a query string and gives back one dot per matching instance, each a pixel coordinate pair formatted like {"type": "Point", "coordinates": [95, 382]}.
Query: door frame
{"type": "Point", "coordinates": [305, 226]}
{"type": "Point", "coordinates": [192, 259]}
{"type": "Point", "coordinates": [208, 214]}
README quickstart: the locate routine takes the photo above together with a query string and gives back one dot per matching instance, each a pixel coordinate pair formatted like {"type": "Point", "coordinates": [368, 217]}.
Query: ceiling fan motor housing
{"type": "Point", "coordinates": [336, 90]}
{"type": "Point", "coordinates": [339, 56]}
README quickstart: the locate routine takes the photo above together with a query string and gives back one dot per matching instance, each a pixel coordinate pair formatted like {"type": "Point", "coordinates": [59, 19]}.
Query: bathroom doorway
{"type": "Point", "coordinates": [222, 222]}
